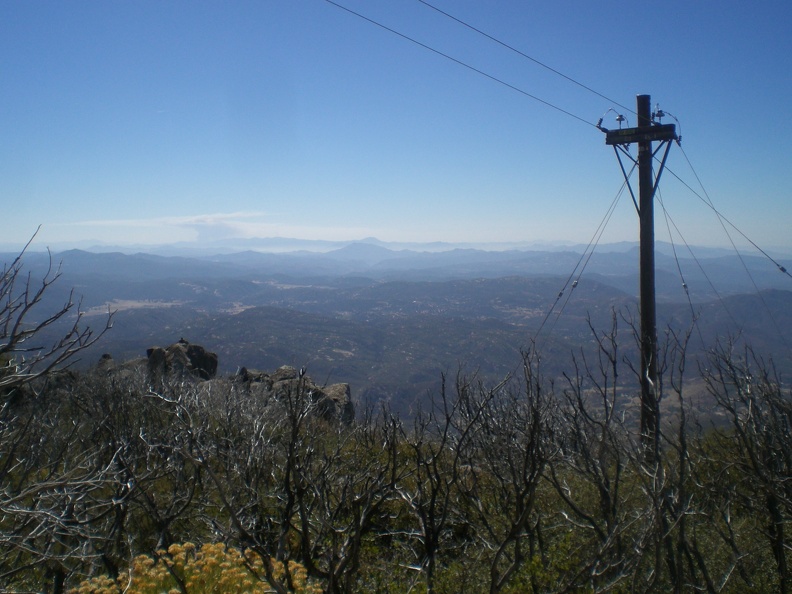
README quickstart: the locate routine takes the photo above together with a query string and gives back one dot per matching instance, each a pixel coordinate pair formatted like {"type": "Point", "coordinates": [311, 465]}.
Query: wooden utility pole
{"type": "Point", "coordinates": [649, 404]}
{"type": "Point", "coordinates": [646, 132]}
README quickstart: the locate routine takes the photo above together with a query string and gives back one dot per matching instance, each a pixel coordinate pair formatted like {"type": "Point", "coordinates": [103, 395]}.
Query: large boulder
{"type": "Point", "coordinates": [202, 361]}
{"type": "Point", "coordinates": [338, 402]}
{"type": "Point", "coordinates": [332, 403]}
{"type": "Point", "coordinates": [183, 359]}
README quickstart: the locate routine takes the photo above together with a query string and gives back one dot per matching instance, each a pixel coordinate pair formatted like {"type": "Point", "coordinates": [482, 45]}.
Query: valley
{"type": "Point", "coordinates": [392, 323]}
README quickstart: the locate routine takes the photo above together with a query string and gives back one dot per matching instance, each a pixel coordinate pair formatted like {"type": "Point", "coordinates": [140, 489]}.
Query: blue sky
{"type": "Point", "coordinates": [154, 122]}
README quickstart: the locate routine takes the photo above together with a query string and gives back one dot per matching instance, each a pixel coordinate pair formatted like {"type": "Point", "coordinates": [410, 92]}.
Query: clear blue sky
{"type": "Point", "coordinates": [151, 122]}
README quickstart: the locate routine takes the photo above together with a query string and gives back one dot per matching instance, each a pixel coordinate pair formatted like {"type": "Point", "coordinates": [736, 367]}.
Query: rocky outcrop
{"type": "Point", "coordinates": [333, 402]}
{"type": "Point", "coordinates": [182, 358]}
{"type": "Point", "coordinates": [106, 363]}
{"type": "Point", "coordinates": [340, 396]}
{"type": "Point", "coordinates": [191, 367]}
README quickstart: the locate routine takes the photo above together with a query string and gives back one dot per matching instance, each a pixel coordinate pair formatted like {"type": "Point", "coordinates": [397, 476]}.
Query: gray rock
{"type": "Point", "coordinates": [183, 359]}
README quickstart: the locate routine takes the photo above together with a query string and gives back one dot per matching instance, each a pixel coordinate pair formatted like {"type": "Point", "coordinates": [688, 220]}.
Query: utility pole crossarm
{"type": "Point", "coordinates": [641, 134]}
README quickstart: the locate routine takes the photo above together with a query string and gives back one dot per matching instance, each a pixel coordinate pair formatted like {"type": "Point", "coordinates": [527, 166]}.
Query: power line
{"type": "Point", "coordinates": [709, 203]}
{"type": "Point", "coordinates": [461, 63]}
{"type": "Point", "coordinates": [582, 263]}
{"type": "Point", "coordinates": [669, 221]}
{"type": "Point", "coordinates": [524, 55]}
{"type": "Point", "coordinates": [721, 220]}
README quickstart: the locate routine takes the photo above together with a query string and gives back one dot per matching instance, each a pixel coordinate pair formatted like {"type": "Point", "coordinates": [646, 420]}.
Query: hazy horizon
{"type": "Point", "coordinates": [284, 245]}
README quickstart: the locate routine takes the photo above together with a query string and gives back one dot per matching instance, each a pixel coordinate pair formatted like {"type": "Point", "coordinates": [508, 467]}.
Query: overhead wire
{"type": "Point", "coordinates": [722, 220]}
{"type": "Point", "coordinates": [524, 55]}
{"type": "Point", "coordinates": [668, 222]}
{"type": "Point", "coordinates": [461, 63]}
{"type": "Point", "coordinates": [582, 263]}
{"type": "Point", "coordinates": [698, 263]}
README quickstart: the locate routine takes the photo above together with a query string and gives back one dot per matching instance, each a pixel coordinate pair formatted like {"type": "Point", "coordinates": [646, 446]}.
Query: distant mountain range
{"type": "Point", "coordinates": [707, 272]}
{"type": "Point", "coordinates": [390, 321]}
{"type": "Point", "coordinates": [281, 245]}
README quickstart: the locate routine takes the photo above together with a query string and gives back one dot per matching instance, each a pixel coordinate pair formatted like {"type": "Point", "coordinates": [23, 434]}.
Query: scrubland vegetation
{"type": "Point", "coordinates": [126, 483]}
